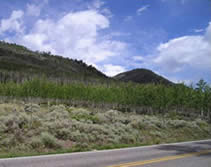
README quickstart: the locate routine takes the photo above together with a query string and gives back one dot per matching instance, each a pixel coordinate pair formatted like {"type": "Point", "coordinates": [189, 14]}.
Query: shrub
{"type": "Point", "coordinates": [63, 134]}
{"type": "Point", "coordinates": [83, 115]}
{"type": "Point", "coordinates": [13, 122]}
{"type": "Point", "coordinates": [49, 140]}
{"type": "Point", "coordinates": [111, 115]}
{"type": "Point", "coordinates": [9, 141]}
{"type": "Point", "coordinates": [102, 118]}
{"type": "Point", "coordinates": [76, 136]}
{"type": "Point", "coordinates": [78, 126]}
{"type": "Point", "coordinates": [143, 123]}
{"type": "Point", "coordinates": [2, 128]}
{"type": "Point", "coordinates": [23, 120]}
{"type": "Point", "coordinates": [31, 108]}
{"type": "Point", "coordinates": [156, 133]}
{"type": "Point", "coordinates": [78, 111]}
{"type": "Point", "coordinates": [57, 114]}
{"type": "Point", "coordinates": [57, 108]}
{"type": "Point", "coordinates": [201, 123]}
{"type": "Point", "coordinates": [5, 142]}
{"type": "Point", "coordinates": [36, 143]}
{"type": "Point", "coordinates": [177, 123]}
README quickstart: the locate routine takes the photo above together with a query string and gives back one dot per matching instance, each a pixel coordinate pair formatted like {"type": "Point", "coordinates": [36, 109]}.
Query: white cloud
{"type": "Point", "coordinates": [208, 33]}
{"type": "Point", "coordinates": [112, 70]}
{"type": "Point", "coordinates": [13, 23]}
{"type": "Point", "coordinates": [193, 51]}
{"type": "Point", "coordinates": [198, 30]}
{"type": "Point", "coordinates": [142, 9]}
{"type": "Point", "coordinates": [186, 55]}
{"type": "Point", "coordinates": [33, 10]}
{"type": "Point", "coordinates": [183, 59]}
{"type": "Point", "coordinates": [75, 35]}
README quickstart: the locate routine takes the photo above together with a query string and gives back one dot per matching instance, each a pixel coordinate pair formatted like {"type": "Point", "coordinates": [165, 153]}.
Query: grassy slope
{"type": "Point", "coordinates": [19, 63]}
{"type": "Point", "coordinates": [24, 130]}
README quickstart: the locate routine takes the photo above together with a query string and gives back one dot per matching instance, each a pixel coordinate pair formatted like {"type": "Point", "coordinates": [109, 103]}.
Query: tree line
{"type": "Point", "coordinates": [151, 97]}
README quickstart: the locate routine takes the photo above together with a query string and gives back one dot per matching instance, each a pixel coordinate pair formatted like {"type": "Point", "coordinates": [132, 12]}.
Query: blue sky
{"type": "Point", "coordinates": [170, 37]}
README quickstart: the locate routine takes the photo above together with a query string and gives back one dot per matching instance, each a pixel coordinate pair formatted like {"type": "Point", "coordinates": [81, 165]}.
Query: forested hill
{"type": "Point", "coordinates": [17, 63]}
{"type": "Point", "coordinates": [143, 76]}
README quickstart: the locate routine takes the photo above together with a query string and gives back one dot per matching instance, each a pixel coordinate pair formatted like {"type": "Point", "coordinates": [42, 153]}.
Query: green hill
{"type": "Point", "coordinates": [19, 63]}
{"type": "Point", "coordinates": [142, 76]}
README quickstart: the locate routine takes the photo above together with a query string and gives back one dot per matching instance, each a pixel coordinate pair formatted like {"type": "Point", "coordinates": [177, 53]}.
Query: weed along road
{"type": "Point", "coordinates": [187, 154]}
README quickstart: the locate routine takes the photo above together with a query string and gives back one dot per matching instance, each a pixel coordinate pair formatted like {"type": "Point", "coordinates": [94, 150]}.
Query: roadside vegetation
{"type": "Point", "coordinates": [126, 97]}
{"type": "Point", "coordinates": [31, 129]}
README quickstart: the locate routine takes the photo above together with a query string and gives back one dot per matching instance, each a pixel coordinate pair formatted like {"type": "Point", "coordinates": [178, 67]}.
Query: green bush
{"type": "Point", "coordinates": [49, 140]}
{"type": "Point", "coordinates": [63, 133]}
{"type": "Point", "coordinates": [36, 143]}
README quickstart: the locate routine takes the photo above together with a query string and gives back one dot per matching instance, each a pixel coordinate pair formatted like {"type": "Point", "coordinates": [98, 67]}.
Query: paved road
{"type": "Point", "coordinates": [188, 154]}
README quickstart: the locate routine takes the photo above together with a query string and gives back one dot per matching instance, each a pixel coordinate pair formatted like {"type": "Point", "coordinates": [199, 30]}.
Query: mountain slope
{"type": "Point", "coordinates": [142, 76]}
{"type": "Point", "coordinates": [19, 63]}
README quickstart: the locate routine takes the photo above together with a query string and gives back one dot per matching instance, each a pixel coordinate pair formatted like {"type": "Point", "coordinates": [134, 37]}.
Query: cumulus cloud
{"type": "Point", "coordinates": [186, 55]}
{"type": "Point", "coordinates": [13, 23]}
{"type": "Point", "coordinates": [75, 35]}
{"type": "Point", "coordinates": [112, 70]}
{"type": "Point", "coordinates": [142, 9]}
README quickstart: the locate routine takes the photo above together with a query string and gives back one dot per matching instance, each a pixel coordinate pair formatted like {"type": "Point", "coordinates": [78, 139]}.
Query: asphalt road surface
{"type": "Point", "coordinates": [188, 154]}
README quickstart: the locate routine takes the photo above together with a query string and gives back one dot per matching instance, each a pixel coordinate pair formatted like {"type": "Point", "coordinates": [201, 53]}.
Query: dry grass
{"type": "Point", "coordinates": [28, 128]}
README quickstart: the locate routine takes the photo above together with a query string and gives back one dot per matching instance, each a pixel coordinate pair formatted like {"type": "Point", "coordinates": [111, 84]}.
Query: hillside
{"type": "Point", "coordinates": [142, 76]}
{"type": "Point", "coordinates": [68, 129]}
{"type": "Point", "coordinates": [19, 63]}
